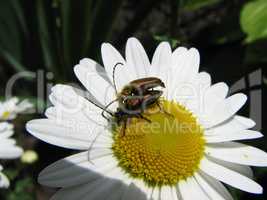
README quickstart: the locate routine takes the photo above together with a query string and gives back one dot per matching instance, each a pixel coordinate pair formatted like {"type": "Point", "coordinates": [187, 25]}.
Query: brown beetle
{"type": "Point", "coordinates": [138, 94]}
{"type": "Point", "coordinates": [134, 98]}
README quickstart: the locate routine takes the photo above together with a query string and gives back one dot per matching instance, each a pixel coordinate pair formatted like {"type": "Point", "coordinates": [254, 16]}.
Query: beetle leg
{"type": "Point", "coordinates": [142, 117]}
{"type": "Point", "coordinates": [162, 110]}
{"type": "Point", "coordinates": [124, 126]}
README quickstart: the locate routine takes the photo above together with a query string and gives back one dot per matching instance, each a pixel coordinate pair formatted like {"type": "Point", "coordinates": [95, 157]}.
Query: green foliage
{"type": "Point", "coordinates": [11, 173]}
{"type": "Point", "coordinates": [253, 20]}
{"type": "Point", "coordinates": [174, 42]}
{"type": "Point", "coordinates": [10, 37]}
{"type": "Point", "coordinates": [59, 34]}
{"type": "Point", "coordinates": [22, 190]}
{"type": "Point", "coordinates": [197, 4]}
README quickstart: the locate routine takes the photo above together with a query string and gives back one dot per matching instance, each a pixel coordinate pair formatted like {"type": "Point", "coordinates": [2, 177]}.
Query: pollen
{"type": "Point", "coordinates": [162, 151]}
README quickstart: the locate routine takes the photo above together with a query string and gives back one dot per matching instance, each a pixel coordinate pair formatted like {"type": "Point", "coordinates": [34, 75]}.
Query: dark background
{"type": "Point", "coordinates": [53, 35]}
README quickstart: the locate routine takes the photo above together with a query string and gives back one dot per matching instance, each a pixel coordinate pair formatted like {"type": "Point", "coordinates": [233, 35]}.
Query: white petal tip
{"type": "Point", "coordinates": [84, 61]}
{"type": "Point", "coordinates": [133, 39]}
{"type": "Point", "coordinates": [242, 97]}
{"type": "Point", "coordinates": [257, 190]}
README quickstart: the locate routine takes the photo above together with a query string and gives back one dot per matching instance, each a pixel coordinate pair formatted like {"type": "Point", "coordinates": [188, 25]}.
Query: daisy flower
{"type": "Point", "coordinates": [10, 108]}
{"type": "Point", "coordinates": [183, 148]}
{"type": "Point", "coordinates": [8, 149]}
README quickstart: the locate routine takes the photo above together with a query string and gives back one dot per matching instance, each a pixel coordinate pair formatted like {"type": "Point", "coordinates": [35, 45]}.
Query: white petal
{"type": "Point", "coordinates": [67, 135]}
{"type": "Point", "coordinates": [7, 142]}
{"type": "Point", "coordinates": [241, 169]}
{"type": "Point", "coordinates": [24, 106]}
{"type": "Point", "coordinates": [193, 93]}
{"type": "Point", "coordinates": [68, 96]}
{"type": "Point", "coordinates": [93, 81]}
{"type": "Point", "coordinates": [209, 189]}
{"type": "Point", "coordinates": [204, 78]}
{"type": "Point", "coordinates": [230, 177]}
{"type": "Point", "coordinates": [98, 189]}
{"type": "Point", "coordinates": [183, 80]}
{"type": "Point", "coordinates": [178, 193]}
{"type": "Point", "coordinates": [168, 193]}
{"type": "Point", "coordinates": [118, 191]}
{"type": "Point", "coordinates": [111, 57]}
{"type": "Point", "coordinates": [4, 126]}
{"type": "Point", "coordinates": [73, 170]}
{"type": "Point", "coordinates": [215, 189]}
{"type": "Point", "coordinates": [190, 66]}
{"type": "Point", "coordinates": [238, 153]}
{"type": "Point", "coordinates": [6, 134]}
{"type": "Point", "coordinates": [133, 193]}
{"type": "Point", "coordinates": [155, 195]}
{"type": "Point", "coordinates": [178, 60]}
{"type": "Point", "coordinates": [12, 101]}
{"type": "Point", "coordinates": [105, 190]}
{"type": "Point", "coordinates": [142, 186]}
{"type": "Point", "coordinates": [212, 96]}
{"type": "Point", "coordinates": [10, 152]}
{"type": "Point", "coordinates": [136, 58]}
{"type": "Point", "coordinates": [161, 62]}
{"type": "Point", "coordinates": [241, 135]}
{"type": "Point", "coordinates": [76, 192]}
{"type": "Point", "coordinates": [178, 57]}
{"type": "Point", "coordinates": [225, 109]}
{"type": "Point", "coordinates": [72, 106]}
{"type": "Point", "coordinates": [190, 189]}
{"type": "Point", "coordinates": [218, 91]}
{"type": "Point", "coordinates": [234, 124]}
{"type": "Point", "coordinates": [84, 118]}
{"type": "Point", "coordinates": [116, 172]}
{"type": "Point", "coordinates": [4, 182]}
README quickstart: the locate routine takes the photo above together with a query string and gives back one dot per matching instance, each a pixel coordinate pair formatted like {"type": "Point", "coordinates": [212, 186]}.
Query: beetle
{"type": "Point", "coordinates": [138, 94]}
{"type": "Point", "coordinates": [133, 99]}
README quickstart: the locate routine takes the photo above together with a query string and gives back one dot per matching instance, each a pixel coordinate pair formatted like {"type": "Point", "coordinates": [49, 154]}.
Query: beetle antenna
{"type": "Point", "coordinates": [100, 107]}
{"type": "Point", "coordinates": [106, 107]}
{"type": "Point", "coordinates": [113, 75]}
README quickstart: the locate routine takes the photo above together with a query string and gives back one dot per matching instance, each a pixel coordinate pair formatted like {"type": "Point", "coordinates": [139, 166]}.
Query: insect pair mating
{"type": "Point", "coordinates": [133, 99]}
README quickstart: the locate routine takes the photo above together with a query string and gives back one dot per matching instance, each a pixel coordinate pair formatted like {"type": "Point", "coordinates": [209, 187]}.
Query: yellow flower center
{"type": "Point", "coordinates": [163, 151]}
{"type": "Point", "coordinates": [5, 115]}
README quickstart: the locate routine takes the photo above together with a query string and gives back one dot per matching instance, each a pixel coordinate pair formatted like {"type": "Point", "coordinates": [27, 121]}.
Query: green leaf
{"type": "Point", "coordinates": [101, 29]}
{"type": "Point", "coordinates": [75, 36]}
{"type": "Point", "coordinates": [253, 20]}
{"type": "Point", "coordinates": [66, 29]}
{"type": "Point", "coordinates": [18, 10]}
{"type": "Point", "coordinates": [46, 36]}
{"type": "Point", "coordinates": [11, 173]}
{"type": "Point", "coordinates": [22, 190]}
{"type": "Point", "coordinates": [10, 34]}
{"type": "Point", "coordinates": [174, 42]}
{"type": "Point", "coordinates": [12, 61]}
{"type": "Point", "coordinates": [197, 4]}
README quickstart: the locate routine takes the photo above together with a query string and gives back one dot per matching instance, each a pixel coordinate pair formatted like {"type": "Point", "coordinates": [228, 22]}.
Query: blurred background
{"type": "Point", "coordinates": [43, 39]}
